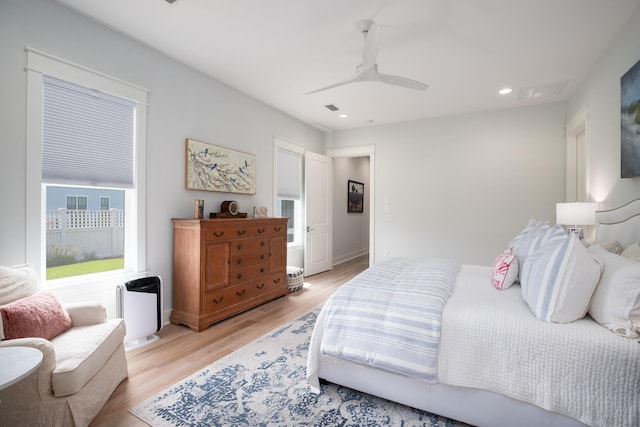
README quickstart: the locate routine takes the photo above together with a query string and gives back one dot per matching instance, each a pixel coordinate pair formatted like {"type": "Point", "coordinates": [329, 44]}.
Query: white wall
{"type": "Point", "coordinates": [600, 95]}
{"type": "Point", "coordinates": [182, 103]}
{"type": "Point", "coordinates": [350, 230]}
{"type": "Point", "coordinates": [461, 187]}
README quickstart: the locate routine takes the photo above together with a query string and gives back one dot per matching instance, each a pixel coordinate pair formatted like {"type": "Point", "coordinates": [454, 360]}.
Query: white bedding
{"type": "Point", "coordinates": [490, 340]}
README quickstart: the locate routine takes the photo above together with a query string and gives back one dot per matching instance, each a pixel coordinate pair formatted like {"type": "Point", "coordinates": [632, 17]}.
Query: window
{"type": "Point", "coordinates": [290, 209]}
{"type": "Point", "coordinates": [82, 203]}
{"type": "Point", "coordinates": [289, 189]}
{"type": "Point", "coordinates": [72, 203]}
{"type": "Point", "coordinates": [90, 131]}
{"type": "Point", "coordinates": [104, 203]}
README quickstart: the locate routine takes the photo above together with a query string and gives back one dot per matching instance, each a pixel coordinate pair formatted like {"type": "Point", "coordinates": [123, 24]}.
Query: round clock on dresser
{"type": "Point", "coordinates": [230, 207]}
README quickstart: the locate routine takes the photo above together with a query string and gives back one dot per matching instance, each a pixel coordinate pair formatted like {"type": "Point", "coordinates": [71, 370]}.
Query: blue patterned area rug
{"type": "Point", "coordinates": [264, 384]}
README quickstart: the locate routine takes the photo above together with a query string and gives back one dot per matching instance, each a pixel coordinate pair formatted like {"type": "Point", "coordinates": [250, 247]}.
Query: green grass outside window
{"type": "Point", "coordinates": [88, 267]}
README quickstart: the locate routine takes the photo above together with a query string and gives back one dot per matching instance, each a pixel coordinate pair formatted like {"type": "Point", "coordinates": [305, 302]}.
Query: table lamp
{"type": "Point", "coordinates": [576, 215]}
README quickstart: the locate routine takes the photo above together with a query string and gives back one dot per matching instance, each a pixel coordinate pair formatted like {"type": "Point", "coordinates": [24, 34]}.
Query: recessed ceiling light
{"type": "Point", "coordinates": [343, 115]}
{"type": "Point", "coordinates": [505, 91]}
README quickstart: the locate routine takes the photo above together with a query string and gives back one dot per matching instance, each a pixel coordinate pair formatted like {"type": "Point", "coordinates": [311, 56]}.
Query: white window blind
{"type": "Point", "coordinates": [289, 174]}
{"type": "Point", "coordinates": [87, 136]}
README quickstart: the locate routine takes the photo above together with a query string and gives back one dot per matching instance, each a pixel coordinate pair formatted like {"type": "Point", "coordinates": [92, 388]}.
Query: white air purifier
{"type": "Point", "coordinates": [139, 303]}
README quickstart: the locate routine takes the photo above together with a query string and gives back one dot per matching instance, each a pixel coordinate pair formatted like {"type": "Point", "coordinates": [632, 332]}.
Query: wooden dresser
{"type": "Point", "coordinates": [224, 266]}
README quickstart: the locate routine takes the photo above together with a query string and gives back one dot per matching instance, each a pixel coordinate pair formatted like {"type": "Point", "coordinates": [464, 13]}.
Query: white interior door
{"type": "Point", "coordinates": [318, 247]}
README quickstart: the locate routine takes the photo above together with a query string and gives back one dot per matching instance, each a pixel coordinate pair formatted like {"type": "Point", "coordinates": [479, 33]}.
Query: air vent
{"type": "Point", "coordinates": [540, 91]}
{"type": "Point", "coordinates": [332, 107]}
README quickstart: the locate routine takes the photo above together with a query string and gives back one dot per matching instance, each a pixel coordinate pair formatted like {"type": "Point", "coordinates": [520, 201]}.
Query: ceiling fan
{"type": "Point", "coordinates": [367, 71]}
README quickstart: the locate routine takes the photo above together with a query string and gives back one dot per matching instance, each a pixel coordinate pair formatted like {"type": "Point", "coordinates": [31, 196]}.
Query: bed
{"type": "Point", "coordinates": [503, 358]}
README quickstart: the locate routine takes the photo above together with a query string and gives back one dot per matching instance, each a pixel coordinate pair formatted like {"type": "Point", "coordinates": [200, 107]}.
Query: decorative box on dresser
{"type": "Point", "coordinates": [222, 267]}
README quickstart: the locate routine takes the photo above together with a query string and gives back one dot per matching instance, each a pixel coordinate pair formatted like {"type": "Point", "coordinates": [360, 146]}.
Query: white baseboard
{"type": "Point", "coordinates": [350, 256]}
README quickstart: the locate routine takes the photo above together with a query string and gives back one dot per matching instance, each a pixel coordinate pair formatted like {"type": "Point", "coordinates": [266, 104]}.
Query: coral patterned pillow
{"type": "Point", "coordinates": [39, 315]}
{"type": "Point", "coordinates": [505, 270]}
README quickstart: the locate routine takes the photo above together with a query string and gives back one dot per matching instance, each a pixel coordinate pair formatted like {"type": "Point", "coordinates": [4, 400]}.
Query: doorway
{"type": "Point", "coordinates": [358, 157]}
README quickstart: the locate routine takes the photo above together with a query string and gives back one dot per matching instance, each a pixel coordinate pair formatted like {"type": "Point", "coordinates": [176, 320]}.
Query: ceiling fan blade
{"type": "Point", "coordinates": [368, 69]}
{"type": "Point", "coordinates": [370, 51]}
{"type": "Point", "coordinates": [400, 81]}
{"type": "Point", "coordinates": [342, 83]}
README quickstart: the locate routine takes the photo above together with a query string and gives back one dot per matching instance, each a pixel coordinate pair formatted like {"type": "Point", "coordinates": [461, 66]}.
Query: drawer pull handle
{"type": "Point", "coordinates": [218, 301]}
{"type": "Point", "coordinates": [240, 261]}
{"type": "Point", "coordinates": [215, 233]}
{"type": "Point", "coordinates": [240, 293]}
{"type": "Point", "coordinates": [260, 230]}
{"type": "Point", "coordinates": [239, 247]}
{"type": "Point", "coordinates": [241, 232]}
{"type": "Point", "coordinates": [262, 270]}
{"type": "Point", "coordinates": [277, 229]}
{"type": "Point", "coordinates": [239, 276]}
{"type": "Point", "coordinates": [276, 281]}
{"type": "Point", "coordinates": [262, 256]}
{"type": "Point", "coordinates": [262, 243]}
{"type": "Point", "coordinates": [260, 286]}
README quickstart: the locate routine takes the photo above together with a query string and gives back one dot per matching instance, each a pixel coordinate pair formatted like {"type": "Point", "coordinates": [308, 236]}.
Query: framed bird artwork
{"type": "Point", "coordinates": [213, 168]}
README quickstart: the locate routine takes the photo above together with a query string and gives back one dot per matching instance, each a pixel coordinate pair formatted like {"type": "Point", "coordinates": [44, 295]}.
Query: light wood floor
{"type": "Point", "coordinates": [181, 352]}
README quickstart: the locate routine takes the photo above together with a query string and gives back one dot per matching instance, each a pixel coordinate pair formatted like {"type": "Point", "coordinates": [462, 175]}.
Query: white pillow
{"type": "Point", "coordinates": [17, 282]}
{"type": "Point", "coordinates": [504, 271]}
{"type": "Point", "coordinates": [559, 278]}
{"type": "Point", "coordinates": [536, 239]}
{"type": "Point", "coordinates": [613, 247]}
{"type": "Point", "coordinates": [528, 239]}
{"type": "Point", "coordinates": [532, 225]}
{"type": "Point", "coordinates": [632, 252]}
{"type": "Point", "coordinates": [616, 301]}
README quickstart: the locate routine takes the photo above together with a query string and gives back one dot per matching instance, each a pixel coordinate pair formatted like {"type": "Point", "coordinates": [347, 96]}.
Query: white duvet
{"type": "Point", "coordinates": [491, 340]}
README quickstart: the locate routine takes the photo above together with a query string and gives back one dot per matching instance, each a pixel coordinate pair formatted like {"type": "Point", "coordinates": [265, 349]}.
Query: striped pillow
{"type": "Point", "coordinates": [531, 226]}
{"type": "Point", "coordinates": [559, 277]}
{"type": "Point", "coordinates": [531, 238]}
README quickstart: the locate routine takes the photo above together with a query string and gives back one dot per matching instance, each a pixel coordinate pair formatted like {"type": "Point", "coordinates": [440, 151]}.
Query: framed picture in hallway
{"type": "Point", "coordinates": [355, 197]}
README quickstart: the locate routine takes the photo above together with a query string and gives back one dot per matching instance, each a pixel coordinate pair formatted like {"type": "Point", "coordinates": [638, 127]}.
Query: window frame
{"type": "Point", "coordinates": [82, 206]}
{"type": "Point", "coordinates": [39, 64]}
{"type": "Point", "coordinates": [279, 143]}
{"type": "Point", "coordinates": [100, 206]}
{"type": "Point", "coordinates": [74, 205]}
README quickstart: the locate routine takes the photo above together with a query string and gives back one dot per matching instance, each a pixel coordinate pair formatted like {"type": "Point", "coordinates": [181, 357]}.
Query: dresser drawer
{"type": "Point", "coordinates": [260, 228]}
{"type": "Point", "coordinates": [248, 273]}
{"type": "Point", "coordinates": [223, 231]}
{"type": "Point", "coordinates": [246, 260]}
{"type": "Point", "coordinates": [268, 284]}
{"type": "Point", "coordinates": [248, 245]}
{"type": "Point", "coordinates": [223, 298]}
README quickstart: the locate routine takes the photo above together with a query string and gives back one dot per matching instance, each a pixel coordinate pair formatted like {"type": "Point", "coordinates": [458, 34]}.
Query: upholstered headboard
{"type": "Point", "coordinates": [621, 224]}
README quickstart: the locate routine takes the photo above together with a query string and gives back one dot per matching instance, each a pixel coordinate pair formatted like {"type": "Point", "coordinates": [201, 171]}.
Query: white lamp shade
{"type": "Point", "coordinates": [577, 213]}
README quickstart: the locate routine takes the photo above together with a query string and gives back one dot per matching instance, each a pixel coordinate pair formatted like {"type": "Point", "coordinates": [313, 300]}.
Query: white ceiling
{"type": "Point", "coordinates": [465, 50]}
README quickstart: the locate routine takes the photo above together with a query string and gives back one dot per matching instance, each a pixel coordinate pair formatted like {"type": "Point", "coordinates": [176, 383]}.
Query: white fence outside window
{"type": "Point", "coordinates": [99, 233]}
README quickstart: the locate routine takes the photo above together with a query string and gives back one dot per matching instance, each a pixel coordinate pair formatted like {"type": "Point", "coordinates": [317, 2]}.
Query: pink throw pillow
{"type": "Point", "coordinates": [39, 315]}
{"type": "Point", "coordinates": [505, 270]}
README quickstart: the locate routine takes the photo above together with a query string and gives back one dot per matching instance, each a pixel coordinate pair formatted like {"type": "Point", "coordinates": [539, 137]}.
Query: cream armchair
{"type": "Point", "coordinates": [80, 369]}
